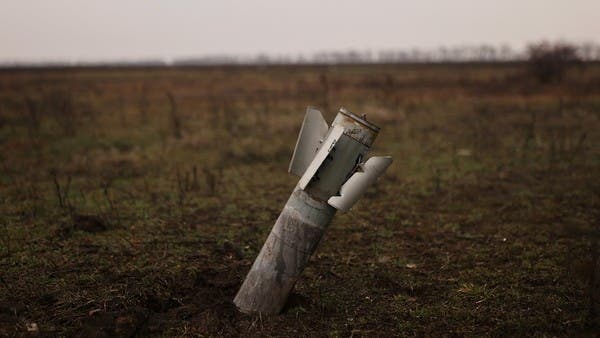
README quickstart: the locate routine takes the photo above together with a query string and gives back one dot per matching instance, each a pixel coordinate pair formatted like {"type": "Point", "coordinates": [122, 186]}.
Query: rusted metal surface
{"type": "Point", "coordinates": [356, 127]}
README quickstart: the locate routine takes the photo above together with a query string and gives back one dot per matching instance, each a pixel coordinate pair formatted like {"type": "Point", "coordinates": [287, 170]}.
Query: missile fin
{"type": "Point", "coordinates": [326, 147]}
{"type": "Point", "coordinates": [313, 130]}
{"type": "Point", "coordinates": [359, 182]}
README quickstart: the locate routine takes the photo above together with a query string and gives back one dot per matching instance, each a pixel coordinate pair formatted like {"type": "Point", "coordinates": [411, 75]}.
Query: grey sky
{"type": "Point", "coordinates": [78, 30]}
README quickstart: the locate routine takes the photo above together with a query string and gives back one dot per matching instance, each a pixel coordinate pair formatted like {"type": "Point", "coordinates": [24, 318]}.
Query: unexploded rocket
{"type": "Point", "coordinates": [333, 175]}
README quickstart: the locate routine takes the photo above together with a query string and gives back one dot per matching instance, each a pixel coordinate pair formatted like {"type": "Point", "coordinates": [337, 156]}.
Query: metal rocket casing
{"type": "Point", "coordinates": [329, 161]}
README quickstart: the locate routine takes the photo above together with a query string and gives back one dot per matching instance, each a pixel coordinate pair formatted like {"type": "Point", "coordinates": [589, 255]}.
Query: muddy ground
{"type": "Point", "coordinates": [133, 201]}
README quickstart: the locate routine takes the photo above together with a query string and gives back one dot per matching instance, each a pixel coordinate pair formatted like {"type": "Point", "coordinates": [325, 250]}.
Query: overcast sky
{"type": "Point", "coordinates": [80, 30]}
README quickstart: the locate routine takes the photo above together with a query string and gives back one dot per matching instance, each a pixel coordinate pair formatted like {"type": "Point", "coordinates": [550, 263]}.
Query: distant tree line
{"type": "Point", "coordinates": [546, 55]}
{"type": "Point", "coordinates": [479, 53]}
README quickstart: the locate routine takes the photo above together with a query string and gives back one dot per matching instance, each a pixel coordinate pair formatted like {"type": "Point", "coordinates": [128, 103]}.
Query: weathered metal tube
{"type": "Point", "coordinates": [284, 255]}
